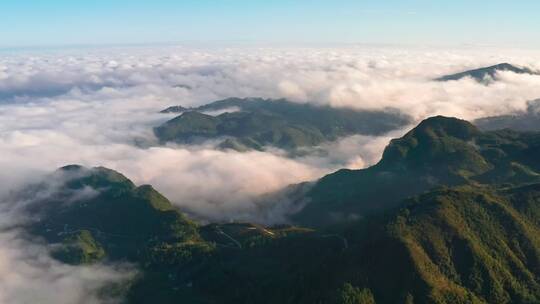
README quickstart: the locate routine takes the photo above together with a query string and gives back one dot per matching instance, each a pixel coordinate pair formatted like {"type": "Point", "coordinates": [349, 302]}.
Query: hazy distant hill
{"type": "Point", "coordinates": [254, 123]}
{"type": "Point", "coordinates": [526, 121]}
{"type": "Point", "coordinates": [488, 73]}
{"type": "Point", "coordinates": [451, 214]}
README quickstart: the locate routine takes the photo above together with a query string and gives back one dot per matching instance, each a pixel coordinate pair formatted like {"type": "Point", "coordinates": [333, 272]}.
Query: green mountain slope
{"type": "Point", "coordinates": [450, 214]}
{"type": "Point", "coordinates": [460, 245]}
{"type": "Point", "coordinates": [100, 214]}
{"type": "Point", "coordinates": [279, 123]}
{"type": "Point", "coordinates": [469, 244]}
{"type": "Point", "coordinates": [439, 151]}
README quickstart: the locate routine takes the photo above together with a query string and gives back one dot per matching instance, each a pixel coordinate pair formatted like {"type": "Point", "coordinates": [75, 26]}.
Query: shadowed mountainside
{"type": "Point", "coordinates": [488, 74]}
{"type": "Point", "coordinates": [440, 151]}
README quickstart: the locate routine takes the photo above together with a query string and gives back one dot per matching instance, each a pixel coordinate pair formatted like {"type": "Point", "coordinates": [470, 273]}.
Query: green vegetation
{"type": "Point", "coordinates": [80, 248]}
{"type": "Point", "coordinates": [278, 123]}
{"type": "Point", "coordinates": [440, 151]}
{"type": "Point", "coordinates": [470, 245]}
{"type": "Point", "coordinates": [99, 213]}
{"type": "Point", "coordinates": [449, 215]}
{"type": "Point", "coordinates": [353, 295]}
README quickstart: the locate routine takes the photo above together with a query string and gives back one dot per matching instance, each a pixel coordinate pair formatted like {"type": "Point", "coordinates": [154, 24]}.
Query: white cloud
{"type": "Point", "coordinates": [97, 107]}
{"type": "Point", "coordinates": [28, 274]}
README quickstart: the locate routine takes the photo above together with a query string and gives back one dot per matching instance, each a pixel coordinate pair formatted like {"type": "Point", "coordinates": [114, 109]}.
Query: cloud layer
{"type": "Point", "coordinates": [97, 107]}
{"type": "Point", "coordinates": [28, 274]}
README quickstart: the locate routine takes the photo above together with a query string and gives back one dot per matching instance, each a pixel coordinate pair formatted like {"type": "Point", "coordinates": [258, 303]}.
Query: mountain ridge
{"type": "Point", "coordinates": [428, 156]}
{"type": "Point", "coordinates": [254, 123]}
{"type": "Point", "coordinates": [487, 74]}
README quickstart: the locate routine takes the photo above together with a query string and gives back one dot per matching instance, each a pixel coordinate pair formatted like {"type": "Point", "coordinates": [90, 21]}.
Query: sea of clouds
{"type": "Point", "coordinates": [97, 107]}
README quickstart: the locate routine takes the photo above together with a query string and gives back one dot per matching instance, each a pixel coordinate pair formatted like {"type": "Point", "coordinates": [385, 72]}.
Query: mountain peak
{"type": "Point", "coordinates": [485, 73]}
{"type": "Point", "coordinates": [440, 151]}
{"type": "Point", "coordinates": [446, 126]}
{"type": "Point", "coordinates": [70, 168]}
{"type": "Point", "coordinates": [436, 140]}
{"type": "Point", "coordinates": [504, 65]}
{"type": "Point", "coordinates": [174, 109]}
{"type": "Point", "coordinates": [78, 176]}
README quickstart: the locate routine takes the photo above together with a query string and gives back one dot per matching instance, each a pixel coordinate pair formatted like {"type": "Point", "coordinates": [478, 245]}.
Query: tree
{"type": "Point", "coordinates": [349, 294]}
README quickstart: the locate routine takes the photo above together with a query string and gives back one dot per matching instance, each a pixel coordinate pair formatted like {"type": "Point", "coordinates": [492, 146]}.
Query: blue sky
{"type": "Point", "coordinates": [417, 22]}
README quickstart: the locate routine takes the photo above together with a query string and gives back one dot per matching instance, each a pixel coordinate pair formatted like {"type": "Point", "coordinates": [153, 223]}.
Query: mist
{"type": "Point", "coordinates": [27, 273]}
{"type": "Point", "coordinates": [97, 107]}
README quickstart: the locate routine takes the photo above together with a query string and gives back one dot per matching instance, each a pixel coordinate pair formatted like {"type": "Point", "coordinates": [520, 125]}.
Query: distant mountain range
{"type": "Point", "coordinates": [451, 214]}
{"type": "Point", "coordinates": [256, 123]}
{"type": "Point", "coordinates": [487, 74]}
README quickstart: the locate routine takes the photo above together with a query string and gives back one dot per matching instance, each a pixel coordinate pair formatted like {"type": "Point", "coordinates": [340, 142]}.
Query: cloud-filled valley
{"type": "Point", "coordinates": [97, 107]}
